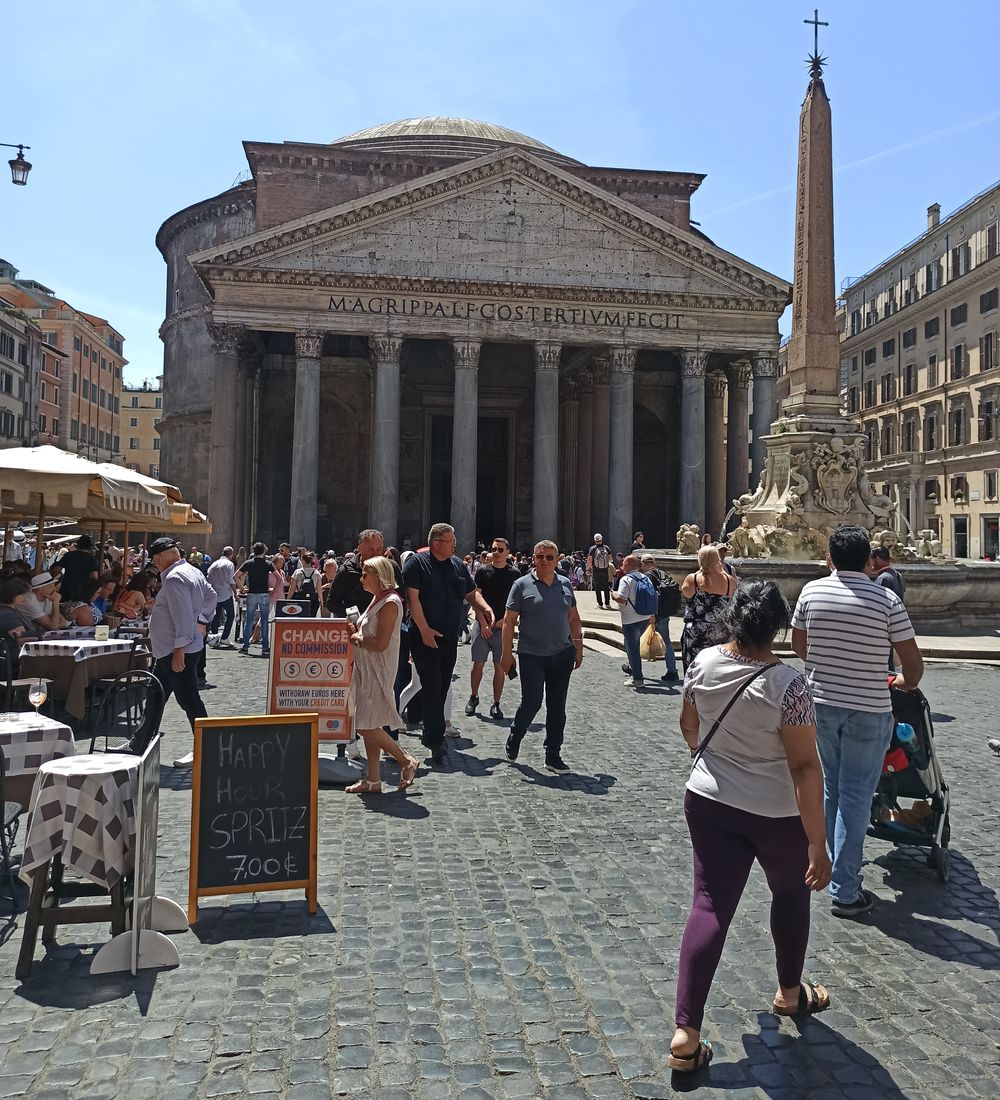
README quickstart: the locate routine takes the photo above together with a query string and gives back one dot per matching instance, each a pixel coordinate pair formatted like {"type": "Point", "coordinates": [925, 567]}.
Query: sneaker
{"type": "Point", "coordinates": [244, 651]}
{"type": "Point", "coordinates": [630, 682]}
{"type": "Point", "coordinates": [671, 678]}
{"type": "Point", "coordinates": [557, 765]}
{"type": "Point", "coordinates": [470, 706]}
{"type": "Point", "coordinates": [451, 731]}
{"type": "Point", "coordinates": [185, 761]}
{"type": "Point", "coordinates": [495, 711]}
{"type": "Point", "coordinates": [513, 747]}
{"type": "Point", "coordinates": [861, 904]}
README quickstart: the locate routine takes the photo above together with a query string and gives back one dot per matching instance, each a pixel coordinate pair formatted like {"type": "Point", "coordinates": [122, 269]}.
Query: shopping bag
{"type": "Point", "coordinates": [651, 647]}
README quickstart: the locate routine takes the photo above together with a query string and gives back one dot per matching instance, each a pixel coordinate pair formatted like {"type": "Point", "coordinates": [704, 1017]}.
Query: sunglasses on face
{"type": "Point", "coordinates": [499, 549]}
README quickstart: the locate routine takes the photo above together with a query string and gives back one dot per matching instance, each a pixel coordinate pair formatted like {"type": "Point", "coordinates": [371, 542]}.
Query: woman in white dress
{"type": "Point", "coordinates": [372, 703]}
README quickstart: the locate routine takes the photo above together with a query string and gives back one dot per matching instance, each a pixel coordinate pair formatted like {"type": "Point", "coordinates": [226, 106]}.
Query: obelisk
{"type": "Point", "coordinates": [813, 477]}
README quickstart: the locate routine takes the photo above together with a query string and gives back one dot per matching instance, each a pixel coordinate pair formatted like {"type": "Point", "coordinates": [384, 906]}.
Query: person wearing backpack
{"type": "Point", "coordinates": [305, 583]}
{"type": "Point", "coordinates": [599, 560]}
{"type": "Point", "coordinates": [638, 604]}
{"type": "Point", "coordinates": [668, 597]}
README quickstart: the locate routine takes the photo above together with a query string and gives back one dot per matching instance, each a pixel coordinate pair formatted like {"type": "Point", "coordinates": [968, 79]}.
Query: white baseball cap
{"type": "Point", "coordinates": [598, 537]}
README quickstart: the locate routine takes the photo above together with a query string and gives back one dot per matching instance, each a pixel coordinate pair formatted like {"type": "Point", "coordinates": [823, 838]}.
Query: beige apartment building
{"type": "Point", "coordinates": [142, 409]}
{"type": "Point", "coordinates": [919, 375]}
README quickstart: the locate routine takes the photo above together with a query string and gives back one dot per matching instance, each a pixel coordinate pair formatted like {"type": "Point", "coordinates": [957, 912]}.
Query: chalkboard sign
{"type": "Point", "coordinates": [253, 806]}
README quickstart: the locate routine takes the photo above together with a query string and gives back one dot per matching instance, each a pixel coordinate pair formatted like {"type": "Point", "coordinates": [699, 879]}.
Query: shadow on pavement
{"type": "Point", "coordinates": [61, 978]}
{"type": "Point", "coordinates": [175, 779]}
{"type": "Point", "coordinates": [923, 910]}
{"type": "Point", "coordinates": [400, 804]}
{"type": "Point", "coordinates": [574, 782]}
{"type": "Point", "coordinates": [260, 920]}
{"type": "Point", "coordinates": [782, 1065]}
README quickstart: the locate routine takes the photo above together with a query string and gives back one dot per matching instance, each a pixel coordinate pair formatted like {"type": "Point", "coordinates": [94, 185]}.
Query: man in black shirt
{"type": "Point", "coordinates": [346, 590]}
{"type": "Point", "coordinates": [495, 581]}
{"type": "Point", "coordinates": [79, 566]}
{"type": "Point", "coordinates": [438, 586]}
{"type": "Point", "coordinates": [256, 574]}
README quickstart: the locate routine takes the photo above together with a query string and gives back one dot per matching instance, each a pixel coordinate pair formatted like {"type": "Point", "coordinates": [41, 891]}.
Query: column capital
{"type": "Point", "coordinates": [466, 354]}
{"type": "Point", "coordinates": [600, 367]}
{"type": "Point", "coordinates": [385, 349]}
{"type": "Point", "coordinates": [570, 388]}
{"type": "Point", "coordinates": [226, 338]}
{"type": "Point", "coordinates": [715, 385]}
{"type": "Point", "coordinates": [308, 345]}
{"type": "Point", "coordinates": [765, 366]}
{"type": "Point", "coordinates": [547, 356]}
{"type": "Point", "coordinates": [739, 374]}
{"type": "Point", "coordinates": [584, 381]}
{"type": "Point", "coordinates": [693, 363]}
{"type": "Point", "coordinates": [623, 360]}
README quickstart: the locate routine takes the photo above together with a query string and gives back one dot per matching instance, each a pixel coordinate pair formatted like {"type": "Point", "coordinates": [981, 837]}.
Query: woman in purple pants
{"type": "Point", "coordinates": [755, 793]}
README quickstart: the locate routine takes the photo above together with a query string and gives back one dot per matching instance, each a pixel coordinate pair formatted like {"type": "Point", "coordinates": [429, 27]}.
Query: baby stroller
{"type": "Point", "coordinates": [912, 770]}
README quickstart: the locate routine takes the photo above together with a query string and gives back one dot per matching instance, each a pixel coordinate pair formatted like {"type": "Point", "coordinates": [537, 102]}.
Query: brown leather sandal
{"type": "Point", "coordinates": [813, 998]}
{"type": "Point", "coordinates": [689, 1063]}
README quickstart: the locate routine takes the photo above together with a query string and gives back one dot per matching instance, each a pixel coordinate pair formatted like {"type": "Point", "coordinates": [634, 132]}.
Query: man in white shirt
{"type": "Point", "coordinates": [633, 622]}
{"type": "Point", "coordinates": [843, 628]}
{"type": "Point", "coordinates": [220, 577]}
{"type": "Point", "coordinates": [41, 605]}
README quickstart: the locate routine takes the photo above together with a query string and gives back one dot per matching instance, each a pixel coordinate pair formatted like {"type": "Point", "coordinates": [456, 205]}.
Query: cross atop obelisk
{"type": "Point", "coordinates": [813, 347]}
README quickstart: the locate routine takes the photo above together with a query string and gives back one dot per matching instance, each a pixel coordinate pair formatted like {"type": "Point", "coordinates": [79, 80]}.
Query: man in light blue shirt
{"type": "Point", "coordinates": [184, 608]}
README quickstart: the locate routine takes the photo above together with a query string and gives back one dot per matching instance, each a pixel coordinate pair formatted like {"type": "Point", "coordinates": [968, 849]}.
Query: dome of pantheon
{"type": "Point", "coordinates": [460, 138]}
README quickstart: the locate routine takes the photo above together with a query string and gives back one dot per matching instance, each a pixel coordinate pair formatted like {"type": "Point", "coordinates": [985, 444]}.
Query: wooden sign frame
{"type": "Point", "coordinates": [308, 884]}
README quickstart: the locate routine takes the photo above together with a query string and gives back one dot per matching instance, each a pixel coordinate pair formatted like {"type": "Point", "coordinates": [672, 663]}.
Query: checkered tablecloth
{"type": "Point", "coordinates": [28, 741]}
{"type": "Point", "coordinates": [83, 808]}
{"type": "Point", "coordinates": [80, 649]}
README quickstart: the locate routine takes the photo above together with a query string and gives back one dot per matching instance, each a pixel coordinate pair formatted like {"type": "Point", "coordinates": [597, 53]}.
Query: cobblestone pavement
{"type": "Point", "coordinates": [505, 933]}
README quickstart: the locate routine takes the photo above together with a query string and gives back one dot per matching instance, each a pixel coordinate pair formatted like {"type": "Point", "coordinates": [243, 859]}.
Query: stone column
{"type": "Point", "coordinates": [584, 457]}
{"type": "Point", "coordinates": [545, 486]}
{"type": "Point", "coordinates": [715, 459]}
{"type": "Point", "coordinates": [673, 425]}
{"type": "Point", "coordinates": [243, 486]}
{"type": "Point", "coordinates": [305, 440]}
{"type": "Point", "coordinates": [599, 453]}
{"type": "Point", "coordinates": [738, 432]}
{"type": "Point", "coordinates": [621, 453]}
{"type": "Point", "coordinates": [569, 434]}
{"type": "Point", "coordinates": [692, 502]}
{"type": "Point", "coordinates": [765, 380]}
{"type": "Point", "coordinates": [465, 443]}
{"type": "Point", "coordinates": [384, 504]}
{"type": "Point", "coordinates": [223, 471]}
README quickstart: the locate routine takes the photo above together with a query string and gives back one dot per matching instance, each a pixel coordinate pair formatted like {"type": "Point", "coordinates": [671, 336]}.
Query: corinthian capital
{"type": "Point", "coordinates": [715, 385]}
{"type": "Point", "coordinates": [226, 338]}
{"type": "Point", "coordinates": [547, 356]}
{"type": "Point", "coordinates": [308, 345]}
{"type": "Point", "coordinates": [623, 360]}
{"type": "Point", "coordinates": [600, 368]}
{"type": "Point", "coordinates": [693, 363]}
{"type": "Point", "coordinates": [739, 374]}
{"type": "Point", "coordinates": [584, 382]}
{"type": "Point", "coordinates": [765, 366]}
{"type": "Point", "coordinates": [385, 349]}
{"type": "Point", "coordinates": [466, 354]}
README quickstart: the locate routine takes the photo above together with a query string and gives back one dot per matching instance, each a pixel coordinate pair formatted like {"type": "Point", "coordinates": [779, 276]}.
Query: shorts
{"type": "Point", "coordinates": [482, 647]}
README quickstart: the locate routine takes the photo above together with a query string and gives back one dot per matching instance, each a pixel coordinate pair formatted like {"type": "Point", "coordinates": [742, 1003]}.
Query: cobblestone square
{"type": "Point", "coordinates": [502, 932]}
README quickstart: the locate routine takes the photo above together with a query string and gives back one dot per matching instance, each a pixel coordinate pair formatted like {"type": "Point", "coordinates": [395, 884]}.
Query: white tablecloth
{"type": "Point", "coordinates": [28, 741]}
{"type": "Point", "coordinates": [77, 648]}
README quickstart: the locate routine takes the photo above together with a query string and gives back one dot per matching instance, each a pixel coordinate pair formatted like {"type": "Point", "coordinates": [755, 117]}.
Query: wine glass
{"type": "Point", "coordinates": [37, 694]}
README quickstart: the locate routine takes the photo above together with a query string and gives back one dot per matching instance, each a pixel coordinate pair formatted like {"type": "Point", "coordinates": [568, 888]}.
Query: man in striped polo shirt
{"type": "Point", "coordinates": [843, 628]}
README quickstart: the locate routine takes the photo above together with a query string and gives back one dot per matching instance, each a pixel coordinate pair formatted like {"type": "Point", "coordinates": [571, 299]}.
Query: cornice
{"type": "Point", "coordinates": [241, 197]}
{"type": "Point", "coordinates": [408, 284]}
{"type": "Point", "coordinates": [640, 224]}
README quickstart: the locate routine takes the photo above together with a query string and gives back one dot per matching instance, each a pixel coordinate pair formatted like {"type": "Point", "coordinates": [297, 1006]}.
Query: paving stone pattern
{"type": "Point", "coordinates": [506, 933]}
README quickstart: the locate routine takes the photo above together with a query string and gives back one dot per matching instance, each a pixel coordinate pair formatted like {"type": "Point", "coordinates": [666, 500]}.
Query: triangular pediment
{"type": "Point", "coordinates": [509, 218]}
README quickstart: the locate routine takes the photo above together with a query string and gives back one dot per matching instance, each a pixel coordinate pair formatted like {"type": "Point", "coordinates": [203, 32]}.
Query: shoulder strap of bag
{"type": "Point", "coordinates": [718, 722]}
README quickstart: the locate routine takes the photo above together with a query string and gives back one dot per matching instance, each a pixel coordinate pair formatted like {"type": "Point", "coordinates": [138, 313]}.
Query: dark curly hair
{"type": "Point", "coordinates": [755, 614]}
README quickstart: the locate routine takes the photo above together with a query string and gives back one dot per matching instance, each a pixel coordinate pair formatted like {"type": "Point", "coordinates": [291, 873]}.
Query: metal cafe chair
{"type": "Point", "coordinates": [130, 713]}
{"type": "Point", "coordinates": [12, 685]}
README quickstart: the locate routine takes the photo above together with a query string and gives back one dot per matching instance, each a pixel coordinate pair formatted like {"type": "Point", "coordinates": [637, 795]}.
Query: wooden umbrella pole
{"type": "Point", "coordinates": [100, 548]}
{"type": "Point", "coordinates": [126, 571]}
{"type": "Point", "coordinates": [40, 536]}
{"type": "Point", "coordinates": [6, 536]}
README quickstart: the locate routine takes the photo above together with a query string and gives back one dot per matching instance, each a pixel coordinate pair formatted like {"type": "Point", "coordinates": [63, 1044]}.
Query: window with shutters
{"type": "Point", "coordinates": [100, 439]}
{"type": "Point", "coordinates": [869, 356]}
{"type": "Point", "coordinates": [910, 337]}
{"type": "Point", "coordinates": [987, 419]}
{"type": "Point", "coordinates": [988, 301]}
{"type": "Point", "coordinates": [990, 484]}
{"type": "Point", "coordinates": [958, 362]}
{"type": "Point", "coordinates": [991, 241]}
{"type": "Point", "coordinates": [86, 389]}
{"type": "Point", "coordinates": [987, 351]}
{"type": "Point", "coordinates": [959, 314]}
{"type": "Point", "coordinates": [956, 426]}
{"type": "Point", "coordinates": [855, 321]}
{"type": "Point", "coordinates": [869, 393]}
{"type": "Point", "coordinates": [133, 422]}
{"type": "Point", "coordinates": [76, 343]}
{"type": "Point", "coordinates": [888, 439]}
{"type": "Point", "coordinates": [961, 259]}
{"type": "Point", "coordinates": [871, 442]}
{"type": "Point", "coordinates": [909, 435]}
{"type": "Point", "coordinates": [911, 294]}
{"type": "Point", "coordinates": [871, 315]}
{"type": "Point", "coordinates": [75, 381]}
{"type": "Point", "coordinates": [932, 276]}
{"type": "Point", "coordinates": [854, 364]}
{"type": "Point", "coordinates": [852, 399]}
{"type": "Point", "coordinates": [887, 388]}
{"type": "Point", "coordinates": [133, 443]}
{"type": "Point", "coordinates": [93, 434]}
{"type": "Point", "coordinates": [888, 348]}
{"type": "Point", "coordinates": [890, 302]}
{"type": "Point", "coordinates": [909, 379]}
{"type": "Point", "coordinates": [930, 432]}
{"type": "Point", "coordinates": [932, 328]}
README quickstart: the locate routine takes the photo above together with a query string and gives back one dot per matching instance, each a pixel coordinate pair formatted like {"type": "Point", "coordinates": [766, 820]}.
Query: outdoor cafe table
{"type": "Point", "coordinates": [28, 741]}
{"type": "Point", "coordinates": [83, 818]}
{"type": "Point", "coordinates": [72, 664]}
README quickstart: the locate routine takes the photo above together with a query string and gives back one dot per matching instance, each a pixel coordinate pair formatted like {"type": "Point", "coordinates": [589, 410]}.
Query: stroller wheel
{"type": "Point", "coordinates": [943, 864]}
{"type": "Point", "coordinates": [932, 858]}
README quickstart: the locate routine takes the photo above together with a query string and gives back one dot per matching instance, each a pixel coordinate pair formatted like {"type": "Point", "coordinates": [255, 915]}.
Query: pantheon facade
{"type": "Point", "coordinates": [442, 319]}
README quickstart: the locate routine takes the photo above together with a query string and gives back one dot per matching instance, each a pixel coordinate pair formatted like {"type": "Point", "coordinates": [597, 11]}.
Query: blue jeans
{"type": "Point", "coordinates": [633, 633]}
{"type": "Point", "coordinates": [663, 629]}
{"type": "Point", "coordinates": [258, 601]}
{"type": "Point", "coordinates": [852, 745]}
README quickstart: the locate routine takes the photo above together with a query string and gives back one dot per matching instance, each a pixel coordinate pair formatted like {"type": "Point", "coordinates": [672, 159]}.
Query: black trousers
{"type": "Point", "coordinates": [548, 675]}
{"type": "Point", "coordinates": [602, 586]}
{"type": "Point", "coordinates": [435, 667]}
{"type": "Point", "coordinates": [224, 610]}
{"type": "Point", "coordinates": [182, 684]}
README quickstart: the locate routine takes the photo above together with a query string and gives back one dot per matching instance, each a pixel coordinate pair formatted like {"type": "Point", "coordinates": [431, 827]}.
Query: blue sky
{"type": "Point", "coordinates": [136, 108]}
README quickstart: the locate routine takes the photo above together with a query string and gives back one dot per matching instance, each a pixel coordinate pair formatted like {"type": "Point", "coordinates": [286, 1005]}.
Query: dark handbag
{"type": "Point", "coordinates": [696, 755]}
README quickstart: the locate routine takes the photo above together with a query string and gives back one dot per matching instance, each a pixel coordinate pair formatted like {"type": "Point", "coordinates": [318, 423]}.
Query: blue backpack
{"type": "Point", "coordinates": [646, 600]}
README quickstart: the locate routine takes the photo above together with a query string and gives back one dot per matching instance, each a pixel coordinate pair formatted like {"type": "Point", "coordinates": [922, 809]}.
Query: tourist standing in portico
{"type": "Point", "coordinates": [438, 590]}
{"type": "Point", "coordinates": [600, 559]}
{"type": "Point", "coordinates": [184, 608]}
{"type": "Point", "coordinates": [542, 605]}
{"type": "Point", "coordinates": [495, 579]}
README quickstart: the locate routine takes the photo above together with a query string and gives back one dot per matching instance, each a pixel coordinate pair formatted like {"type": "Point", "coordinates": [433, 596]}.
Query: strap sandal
{"type": "Point", "coordinates": [689, 1063]}
{"type": "Point", "coordinates": [813, 998]}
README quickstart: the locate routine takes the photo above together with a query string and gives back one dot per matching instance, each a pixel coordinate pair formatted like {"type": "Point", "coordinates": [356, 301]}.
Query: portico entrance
{"type": "Point", "coordinates": [493, 513]}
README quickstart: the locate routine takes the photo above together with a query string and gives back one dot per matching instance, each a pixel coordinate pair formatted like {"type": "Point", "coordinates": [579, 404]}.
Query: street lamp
{"type": "Point", "coordinates": [19, 167]}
